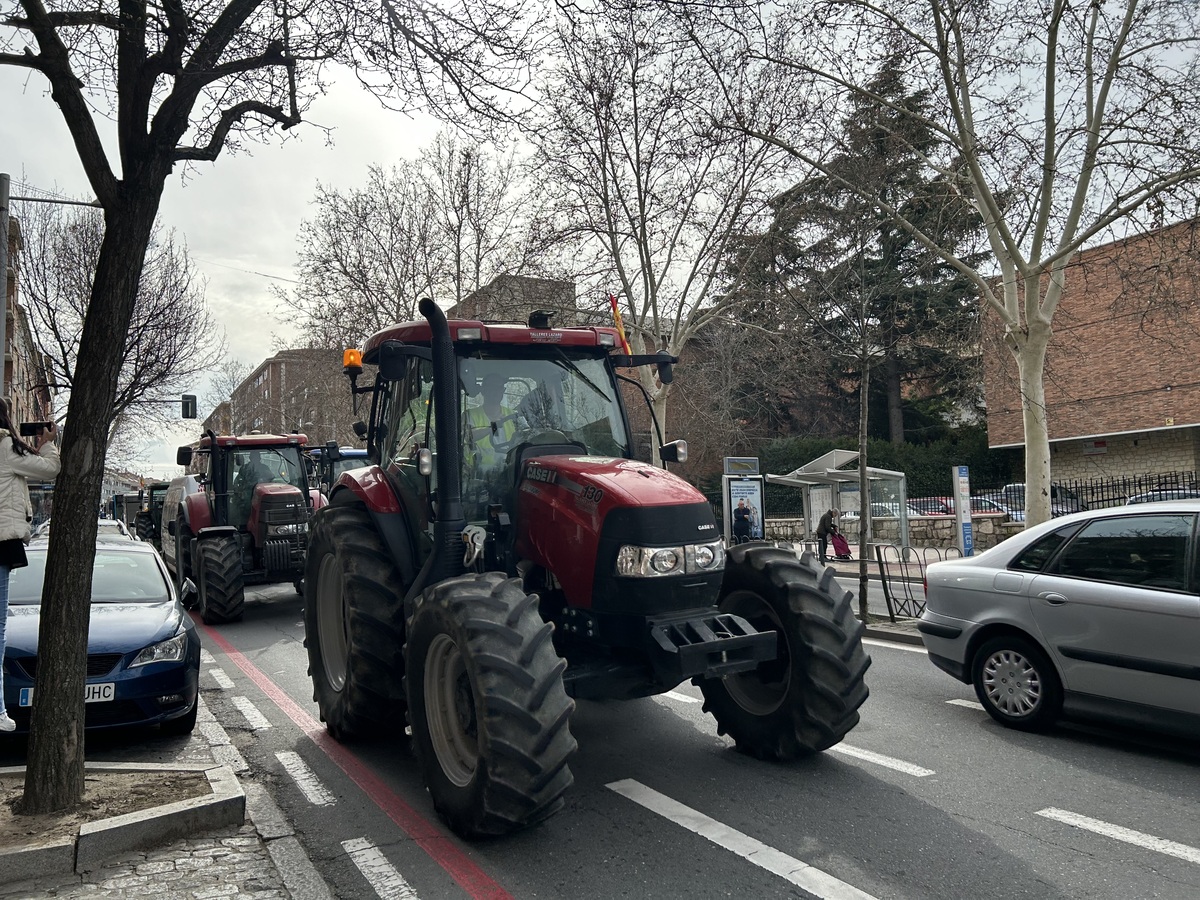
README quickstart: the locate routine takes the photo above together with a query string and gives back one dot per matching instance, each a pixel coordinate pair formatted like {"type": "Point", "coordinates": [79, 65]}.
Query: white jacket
{"type": "Point", "coordinates": [15, 508]}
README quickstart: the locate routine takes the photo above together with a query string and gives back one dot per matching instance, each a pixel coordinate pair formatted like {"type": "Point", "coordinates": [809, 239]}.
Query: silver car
{"type": "Point", "coordinates": [1092, 615]}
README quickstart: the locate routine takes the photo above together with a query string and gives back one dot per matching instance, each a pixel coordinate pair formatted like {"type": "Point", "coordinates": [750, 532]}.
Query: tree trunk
{"type": "Point", "coordinates": [864, 491]}
{"type": "Point", "coordinates": [1031, 364]}
{"type": "Point", "coordinates": [895, 401]}
{"type": "Point", "coordinates": [54, 776]}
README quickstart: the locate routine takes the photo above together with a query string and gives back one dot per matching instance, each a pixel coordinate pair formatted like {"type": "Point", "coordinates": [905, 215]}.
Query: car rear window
{"type": "Point", "coordinates": [116, 578]}
{"type": "Point", "coordinates": [1148, 551]}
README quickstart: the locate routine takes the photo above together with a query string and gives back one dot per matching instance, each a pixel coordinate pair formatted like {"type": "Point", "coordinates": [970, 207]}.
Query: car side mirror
{"type": "Point", "coordinates": [189, 591]}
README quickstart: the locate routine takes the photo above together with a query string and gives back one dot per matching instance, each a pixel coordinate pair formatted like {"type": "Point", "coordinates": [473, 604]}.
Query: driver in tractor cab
{"type": "Point", "coordinates": [248, 476]}
{"type": "Point", "coordinates": [491, 426]}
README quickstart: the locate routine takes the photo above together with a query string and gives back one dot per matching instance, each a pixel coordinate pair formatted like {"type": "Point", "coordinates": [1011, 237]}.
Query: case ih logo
{"type": "Point", "coordinates": [537, 473]}
{"type": "Point", "coordinates": [546, 337]}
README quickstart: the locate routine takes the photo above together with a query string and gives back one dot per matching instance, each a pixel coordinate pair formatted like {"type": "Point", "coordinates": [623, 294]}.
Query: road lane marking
{"type": "Point", "coordinates": [969, 704]}
{"type": "Point", "coordinates": [895, 645]}
{"type": "Point", "coordinates": [799, 873]}
{"type": "Point", "coordinates": [682, 698]}
{"type": "Point", "coordinates": [435, 841]}
{"type": "Point", "coordinates": [306, 779]}
{"type": "Point", "coordinates": [257, 720]}
{"type": "Point", "coordinates": [224, 682]}
{"type": "Point", "coordinates": [207, 658]}
{"type": "Point", "coordinates": [387, 881]}
{"type": "Point", "coordinates": [1129, 836]}
{"type": "Point", "coordinates": [878, 759]}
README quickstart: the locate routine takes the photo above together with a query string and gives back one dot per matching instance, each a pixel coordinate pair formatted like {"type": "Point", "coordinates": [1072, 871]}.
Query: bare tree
{"type": "Point", "coordinates": [223, 382]}
{"type": "Point", "coordinates": [171, 337]}
{"type": "Point", "coordinates": [440, 226]}
{"type": "Point", "coordinates": [184, 80]}
{"type": "Point", "coordinates": [1064, 125]}
{"type": "Point", "coordinates": [650, 192]}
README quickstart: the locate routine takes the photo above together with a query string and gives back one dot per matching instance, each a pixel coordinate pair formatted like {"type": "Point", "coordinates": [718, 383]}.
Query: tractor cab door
{"type": "Point", "coordinates": [406, 417]}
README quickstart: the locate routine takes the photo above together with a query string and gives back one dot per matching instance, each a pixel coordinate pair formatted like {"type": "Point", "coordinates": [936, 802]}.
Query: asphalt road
{"type": "Point", "coordinates": [927, 797]}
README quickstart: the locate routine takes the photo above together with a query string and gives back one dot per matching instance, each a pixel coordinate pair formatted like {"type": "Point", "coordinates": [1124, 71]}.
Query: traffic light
{"type": "Point", "coordinates": [189, 406]}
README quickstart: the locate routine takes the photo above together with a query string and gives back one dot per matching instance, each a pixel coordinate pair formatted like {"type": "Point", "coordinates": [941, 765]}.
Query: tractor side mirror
{"type": "Point", "coordinates": [666, 374]}
{"type": "Point", "coordinates": [360, 429]}
{"type": "Point", "coordinates": [183, 456]}
{"type": "Point", "coordinates": [425, 461]}
{"type": "Point", "coordinates": [332, 451]}
{"type": "Point", "coordinates": [171, 527]}
{"type": "Point", "coordinates": [674, 452]}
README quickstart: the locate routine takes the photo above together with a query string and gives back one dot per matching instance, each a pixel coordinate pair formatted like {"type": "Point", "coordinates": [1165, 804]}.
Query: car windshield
{"type": "Point", "coordinates": [117, 577]}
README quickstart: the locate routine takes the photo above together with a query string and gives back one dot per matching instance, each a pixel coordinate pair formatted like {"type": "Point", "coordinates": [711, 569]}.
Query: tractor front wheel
{"type": "Point", "coordinates": [353, 625]}
{"type": "Point", "coordinates": [490, 717]}
{"type": "Point", "coordinates": [807, 698]}
{"type": "Point", "coordinates": [143, 526]}
{"type": "Point", "coordinates": [222, 592]}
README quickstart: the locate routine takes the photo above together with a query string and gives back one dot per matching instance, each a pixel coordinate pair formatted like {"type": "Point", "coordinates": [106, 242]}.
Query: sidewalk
{"type": "Point", "coordinates": [260, 859]}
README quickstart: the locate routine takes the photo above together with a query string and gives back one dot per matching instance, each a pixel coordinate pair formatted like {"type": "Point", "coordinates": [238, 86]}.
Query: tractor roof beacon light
{"type": "Point", "coordinates": [352, 367]}
{"type": "Point", "coordinates": [540, 318]}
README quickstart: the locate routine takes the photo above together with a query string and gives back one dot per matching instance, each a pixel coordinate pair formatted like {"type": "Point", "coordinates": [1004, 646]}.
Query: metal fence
{"type": "Point", "coordinates": [902, 574]}
{"type": "Point", "coordinates": [1071, 494]}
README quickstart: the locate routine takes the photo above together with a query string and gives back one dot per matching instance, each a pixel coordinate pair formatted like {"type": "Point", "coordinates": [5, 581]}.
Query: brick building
{"type": "Point", "coordinates": [510, 298]}
{"type": "Point", "coordinates": [28, 381]}
{"type": "Point", "coordinates": [1122, 394]}
{"type": "Point", "coordinates": [295, 390]}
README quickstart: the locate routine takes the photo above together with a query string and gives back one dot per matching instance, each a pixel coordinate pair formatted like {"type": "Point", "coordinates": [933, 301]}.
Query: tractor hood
{"type": "Point", "coordinates": [569, 505]}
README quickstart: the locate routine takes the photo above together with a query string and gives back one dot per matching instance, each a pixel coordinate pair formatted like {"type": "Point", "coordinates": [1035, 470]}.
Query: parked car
{"type": "Point", "coordinates": [931, 506]}
{"type": "Point", "coordinates": [106, 530]}
{"type": "Point", "coordinates": [1165, 494]}
{"type": "Point", "coordinates": [944, 506]}
{"type": "Point", "coordinates": [143, 663]}
{"type": "Point", "coordinates": [1095, 615]}
{"type": "Point", "coordinates": [1012, 497]}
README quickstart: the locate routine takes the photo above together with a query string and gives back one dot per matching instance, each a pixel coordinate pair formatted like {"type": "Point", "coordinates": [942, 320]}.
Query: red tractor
{"type": "Point", "coordinates": [504, 552]}
{"type": "Point", "coordinates": [240, 518]}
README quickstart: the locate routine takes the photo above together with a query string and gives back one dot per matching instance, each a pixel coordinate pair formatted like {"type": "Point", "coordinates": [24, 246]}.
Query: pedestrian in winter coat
{"type": "Point", "coordinates": [18, 462]}
{"type": "Point", "coordinates": [825, 528]}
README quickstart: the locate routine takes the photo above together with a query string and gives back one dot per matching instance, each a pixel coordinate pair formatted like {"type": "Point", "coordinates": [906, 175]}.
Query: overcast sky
{"type": "Point", "coordinates": [240, 215]}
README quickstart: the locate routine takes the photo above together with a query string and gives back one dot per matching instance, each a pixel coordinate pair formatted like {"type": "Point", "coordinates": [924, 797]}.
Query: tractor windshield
{"type": "Point", "coordinates": [252, 466]}
{"type": "Point", "coordinates": [561, 400]}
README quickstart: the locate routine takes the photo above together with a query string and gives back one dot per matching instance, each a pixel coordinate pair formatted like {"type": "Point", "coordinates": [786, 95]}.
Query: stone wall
{"type": "Point", "coordinates": [1140, 453]}
{"type": "Point", "coordinates": [923, 531]}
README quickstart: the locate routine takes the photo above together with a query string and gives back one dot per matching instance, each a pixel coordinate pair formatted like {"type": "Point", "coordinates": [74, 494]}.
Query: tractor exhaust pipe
{"type": "Point", "coordinates": [446, 560]}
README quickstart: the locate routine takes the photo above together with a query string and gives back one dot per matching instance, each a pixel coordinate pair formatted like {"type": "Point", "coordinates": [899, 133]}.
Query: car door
{"type": "Point", "coordinates": [1119, 610]}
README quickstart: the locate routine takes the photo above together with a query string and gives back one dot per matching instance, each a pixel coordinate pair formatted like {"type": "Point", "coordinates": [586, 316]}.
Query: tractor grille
{"type": "Point", "coordinates": [98, 664]}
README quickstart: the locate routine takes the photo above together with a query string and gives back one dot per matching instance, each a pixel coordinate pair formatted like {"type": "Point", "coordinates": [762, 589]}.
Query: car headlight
{"type": "Point", "coordinates": [295, 528]}
{"type": "Point", "coordinates": [649, 562]}
{"type": "Point", "coordinates": [171, 650]}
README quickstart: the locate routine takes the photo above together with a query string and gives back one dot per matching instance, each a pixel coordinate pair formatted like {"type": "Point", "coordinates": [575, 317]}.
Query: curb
{"type": "Point", "coordinates": [102, 839]}
{"type": "Point", "coordinates": [895, 636]}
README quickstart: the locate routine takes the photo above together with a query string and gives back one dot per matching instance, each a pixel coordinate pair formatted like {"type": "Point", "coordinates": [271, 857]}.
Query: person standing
{"type": "Point", "coordinates": [741, 523]}
{"type": "Point", "coordinates": [825, 528]}
{"type": "Point", "coordinates": [18, 462]}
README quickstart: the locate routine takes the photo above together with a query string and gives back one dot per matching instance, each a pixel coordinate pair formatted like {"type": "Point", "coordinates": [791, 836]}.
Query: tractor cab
{"type": "Point", "coordinates": [257, 475]}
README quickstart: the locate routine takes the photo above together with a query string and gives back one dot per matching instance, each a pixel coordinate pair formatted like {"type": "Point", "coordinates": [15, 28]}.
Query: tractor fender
{"type": "Point", "coordinates": [318, 499]}
{"type": "Point", "coordinates": [196, 512]}
{"type": "Point", "coordinates": [215, 531]}
{"type": "Point", "coordinates": [386, 513]}
{"type": "Point", "coordinates": [371, 487]}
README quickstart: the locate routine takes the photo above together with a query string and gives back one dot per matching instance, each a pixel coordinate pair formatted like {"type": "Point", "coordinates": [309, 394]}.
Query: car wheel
{"type": "Point", "coordinates": [1016, 683]}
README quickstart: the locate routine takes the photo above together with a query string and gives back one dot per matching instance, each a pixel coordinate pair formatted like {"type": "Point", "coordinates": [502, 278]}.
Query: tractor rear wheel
{"type": "Point", "coordinates": [143, 526]}
{"type": "Point", "coordinates": [490, 717]}
{"type": "Point", "coordinates": [354, 625]}
{"type": "Point", "coordinates": [807, 698]}
{"type": "Point", "coordinates": [222, 592]}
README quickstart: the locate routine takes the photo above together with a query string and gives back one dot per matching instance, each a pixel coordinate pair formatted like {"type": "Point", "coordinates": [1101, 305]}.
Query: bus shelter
{"type": "Point", "coordinates": [827, 483]}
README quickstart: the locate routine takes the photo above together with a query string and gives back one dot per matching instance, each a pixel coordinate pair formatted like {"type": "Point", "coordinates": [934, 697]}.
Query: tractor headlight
{"type": "Point", "coordinates": [295, 528]}
{"type": "Point", "coordinates": [170, 650]}
{"type": "Point", "coordinates": [650, 562]}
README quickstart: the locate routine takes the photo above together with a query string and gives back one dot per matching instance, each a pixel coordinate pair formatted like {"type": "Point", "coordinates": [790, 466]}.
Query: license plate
{"type": "Point", "coordinates": [92, 693]}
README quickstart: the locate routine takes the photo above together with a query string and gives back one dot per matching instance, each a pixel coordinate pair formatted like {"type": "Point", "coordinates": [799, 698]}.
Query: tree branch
{"type": "Point", "coordinates": [229, 117]}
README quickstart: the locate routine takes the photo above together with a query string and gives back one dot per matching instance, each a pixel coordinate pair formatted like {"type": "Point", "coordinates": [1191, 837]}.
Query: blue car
{"type": "Point", "coordinates": [143, 663]}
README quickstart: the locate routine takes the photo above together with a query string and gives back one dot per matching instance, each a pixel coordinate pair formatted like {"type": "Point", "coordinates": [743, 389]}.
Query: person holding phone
{"type": "Point", "coordinates": [19, 461]}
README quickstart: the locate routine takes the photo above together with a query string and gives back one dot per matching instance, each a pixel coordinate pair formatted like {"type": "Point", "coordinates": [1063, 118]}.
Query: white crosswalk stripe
{"type": "Point", "coordinates": [1127, 835]}
{"type": "Point", "coordinates": [256, 720]}
{"type": "Point", "coordinates": [306, 779]}
{"type": "Point", "coordinates": [880, 760]}
{"type": "Point", "coordinates": [384, 878]}
{"type": "Point", "coordinates": [224, 682]}
{"type": "Point", "coordinates": [809, 878]}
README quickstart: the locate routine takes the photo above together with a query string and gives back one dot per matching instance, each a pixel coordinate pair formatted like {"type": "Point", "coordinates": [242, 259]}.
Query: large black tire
{"type": "Point", "coordinates": [490, 717]}
{"type": "Point", "coordinates": [143, 526]}
{"type": "Point", "coordinates": [222, 590]}
{"type": "Point", "coordinates": [1017, 684]}
{"type": "Point", "coordinates": [354, 625]}
{"type": "Point", "coordinates": [183, 563]}
{"type": "Point", "coordinates": [807, 699]}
